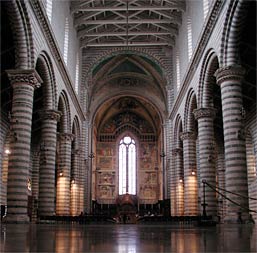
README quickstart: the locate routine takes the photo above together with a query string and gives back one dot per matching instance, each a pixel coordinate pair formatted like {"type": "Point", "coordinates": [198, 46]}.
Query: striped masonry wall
{"type": "Point", "coordinates": [173, 184]}
{"type": "Point", "coordinates": [81, 179]}
{"type": "Point", "coordinates": [75, 182]}
{"type": "Point", "coordinates": [179, 184]}
{"type": "Point", "coordinates": [205, 118]}
{"type": "Point", "coordinates": [250, 158]}
{"type": "Point", "coordinates": [221, 181]}
{"type": "Point", "coordinates": [190, 181]}
{"type": "Point", "coordinates": [63, 181]}
{"type": "Point", "coordinates": [229, 79]}
{"type": "Point", "coordinates": [35, 159]}
{"type": "Point", "coordinates": [23, 82]}
{"type": "Point", "coordinates": [47, 169]}
{"type": "Point", "coordinates": [4, 144]}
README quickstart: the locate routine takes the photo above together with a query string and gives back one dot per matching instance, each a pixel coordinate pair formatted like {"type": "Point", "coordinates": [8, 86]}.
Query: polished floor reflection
{"type": "Point", "coordinates": [127, 238]}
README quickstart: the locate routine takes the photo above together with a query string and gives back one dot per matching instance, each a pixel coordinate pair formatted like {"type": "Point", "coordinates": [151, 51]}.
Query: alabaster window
{"type": "Point", "coordinates": [66, 41]}
{"type": "Point", "coordinates": [189, 38]}
{"type": "Point", "coordinates": [178, 71]}
{"type": "Point", "coordinates": [49, 7]}
{"type": "Point", "coordinates": [205, 8]}
{"type": "Point", "coordinates": [127, 166]}
{"type": "Point", "coordinates": [77, 74]}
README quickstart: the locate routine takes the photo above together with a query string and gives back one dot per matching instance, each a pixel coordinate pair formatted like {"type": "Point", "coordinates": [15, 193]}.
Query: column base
{"type": "Point", "coordinates": [18, 219]}
{"type": "Point", "coordinates": [238, 218]}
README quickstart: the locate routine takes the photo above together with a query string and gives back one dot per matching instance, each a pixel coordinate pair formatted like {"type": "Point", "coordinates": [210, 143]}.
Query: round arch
{"type": "Point", "coordinates": [23, 39]}
{"type": "Point", "coordinates": [234, 23]}
{"type": "Point", "coordinates": [191, 104]}
{"type": "Point", "coordinates": [45, 69]}
{"type": "Point", "coordinates": [209, 66]}
{"type": "Point", "coordinates": [64, 108]}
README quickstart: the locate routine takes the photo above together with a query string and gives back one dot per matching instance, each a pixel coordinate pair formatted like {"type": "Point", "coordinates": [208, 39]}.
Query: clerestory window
{"type": "Point", "coordinates": [127, 166]}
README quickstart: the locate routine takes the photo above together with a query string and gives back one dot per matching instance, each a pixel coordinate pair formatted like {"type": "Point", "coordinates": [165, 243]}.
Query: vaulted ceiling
{"type": "Point", "coordinates": [102, 23]}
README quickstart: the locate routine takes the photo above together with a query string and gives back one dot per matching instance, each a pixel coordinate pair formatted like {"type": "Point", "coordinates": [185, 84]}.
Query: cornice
{"type": "Point", "coordinates": [45, 26]}
{"type": "Point", "coordinates": [198, 53]}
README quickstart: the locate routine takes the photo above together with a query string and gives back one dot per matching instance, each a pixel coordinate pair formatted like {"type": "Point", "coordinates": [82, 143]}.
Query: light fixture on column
{"type": "Point", "coordinates": [243, 112]}
{"type": "Point", "coordinates": [181, 180]}
{"type": "Point", "coordinates": [7, 151]}
{"type": "Point", "coordinates": [91, 155]}
{"type": "Point", "coordinates": [162, 154]}
{"type": "Point", "coordinates": [61, 173]}
{"type": "Point", "coordinates": [73, 181]}
{"type": "Point", "coordinates": [193, 172]}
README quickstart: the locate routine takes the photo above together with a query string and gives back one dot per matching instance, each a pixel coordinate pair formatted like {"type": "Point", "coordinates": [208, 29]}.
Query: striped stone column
{"type": "Point", "coordinates": [230, 80]}
{"type": "Point", "coordinates": [24, 82]}
{"type": "Point", "coordinates": [46, 200]}
{"type": "Point", "coordinates": [190, 178]}
{"type": "Point", "coordinates": [63, 175]}
{"type": "Point", "coordinates": [221, 182]}
{"type": "Point", "coordinates": [179, 183]}
{"type": "Point", "coordinates": [81, 181]}
{"type": "Point", "coordinates": [205, 117]}
{"type": "Point", "coordinates": [75, 182]}
{"type": "Point", "coordinates": [173, 184]}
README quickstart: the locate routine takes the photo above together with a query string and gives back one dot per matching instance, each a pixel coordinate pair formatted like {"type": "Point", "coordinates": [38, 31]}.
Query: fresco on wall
{"type": "Point", "coordinates": [106, 178]}
{"type": "Point", "coordinates": [105, 158]}
{"type": "Point", "coordinates": [147, 156]}
{"type": "Point", "coordinates": [148, 185]}
{"type": "Point", "coordinates": [106, 171]}
{"type": "Point", "coordinates": [124, 118]}
{"type": "Point", "coordinates": [148, 192]}
{"type": "Point", "coordinates": [106, 191]}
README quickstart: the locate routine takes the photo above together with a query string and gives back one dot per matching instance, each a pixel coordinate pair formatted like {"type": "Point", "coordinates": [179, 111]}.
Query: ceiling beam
{"type": "Point", "coordinates": [131, 44]}
{"type": "Point", "coordinates": [110, 33]}
{"type": "Point", "coordinates": [79, 8]}
{"type": "Point", "coordinates": [122, 21]}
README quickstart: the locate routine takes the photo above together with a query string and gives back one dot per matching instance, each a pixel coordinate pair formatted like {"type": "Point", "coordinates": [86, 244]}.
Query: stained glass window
{"type": "Point", "coordinates": [127, 166]}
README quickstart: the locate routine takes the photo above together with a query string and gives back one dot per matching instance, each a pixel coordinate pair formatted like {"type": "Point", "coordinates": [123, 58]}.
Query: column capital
{"type": "Point", "coordinates": [66, 136]}
{"type": "Point", "coordinates": [50, 114]}
{"type": "Point", "coordinates": [26, 76]}
{"type": "Point", "coordinates": [76, 151]}
{"type": "Point", "coordinates": [176, 151]}
{"type": "Point", "coordinates": [189, 135]}
{"type": "Point", "coordinates": [208, 112]}
{"type": "Point", "coordinates": [233, 72]}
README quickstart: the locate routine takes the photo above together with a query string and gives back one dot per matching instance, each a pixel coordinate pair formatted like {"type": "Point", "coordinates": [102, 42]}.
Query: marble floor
{"type": "Point", "coordinates": [127, 238]}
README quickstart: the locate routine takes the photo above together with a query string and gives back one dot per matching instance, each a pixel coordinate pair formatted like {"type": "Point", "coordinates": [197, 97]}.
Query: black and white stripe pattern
{"type": "Point", "coordinates": [23, 82]}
